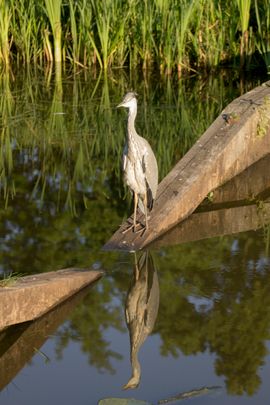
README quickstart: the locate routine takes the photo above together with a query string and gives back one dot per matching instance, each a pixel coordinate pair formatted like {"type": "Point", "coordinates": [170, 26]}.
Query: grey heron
{"type": "Point", "coordinates": [139, 165]}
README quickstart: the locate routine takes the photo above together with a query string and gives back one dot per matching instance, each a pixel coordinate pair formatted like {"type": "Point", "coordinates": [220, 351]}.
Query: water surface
{"type": "Point", "coordinates": [207, 293]}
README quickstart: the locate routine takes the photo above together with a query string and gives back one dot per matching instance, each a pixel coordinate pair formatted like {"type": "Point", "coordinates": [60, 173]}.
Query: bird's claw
{"type": "Point", "coordinates": [133, 228]}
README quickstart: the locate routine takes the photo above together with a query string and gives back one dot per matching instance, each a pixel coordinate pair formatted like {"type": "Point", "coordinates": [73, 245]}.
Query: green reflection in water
{"type": "Point", "coordinates": [60, 155]}
{"type": "Point", "coordinates": [222, 303]}
{"type": "Point", "coordinates": [62, 197]}
{"type": "Point", "coordinates": [214, 296]}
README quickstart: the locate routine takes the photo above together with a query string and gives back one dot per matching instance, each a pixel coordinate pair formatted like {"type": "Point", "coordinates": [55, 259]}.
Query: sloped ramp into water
{"type": "Point", "coordinates": [32, 296]}
{"type": "Point", "coordinates": [19, 343]}
{"type": "Point", "coordinates": [237, 138]}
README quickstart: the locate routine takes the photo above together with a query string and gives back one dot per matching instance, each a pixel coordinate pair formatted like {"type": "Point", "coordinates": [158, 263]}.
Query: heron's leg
{"type": "Point", "coordinates": [144, 227]}
{"type": "Point", "coordinates": [133, 226]}
{"type": "Point", "coordinates": [145, 211]}
{"type": "Point", "coordinates": [135, 210]}
{"type": "Point", "coordinates": [136, 268]}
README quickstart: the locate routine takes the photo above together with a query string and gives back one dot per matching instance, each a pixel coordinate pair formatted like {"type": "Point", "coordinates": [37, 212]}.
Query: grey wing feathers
{"type": "Point", "coordinates": [151, 172]}
{"type": "Point", "coordinates": [149, 194]}
{"type": "Point", "coordinates": [150, 169]}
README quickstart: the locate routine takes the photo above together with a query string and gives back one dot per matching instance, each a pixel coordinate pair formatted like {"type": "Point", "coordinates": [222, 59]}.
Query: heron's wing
{"type": "Point", "coordinates": [149, 193]}
{"type": "Point", "coordinates": [150, 167]}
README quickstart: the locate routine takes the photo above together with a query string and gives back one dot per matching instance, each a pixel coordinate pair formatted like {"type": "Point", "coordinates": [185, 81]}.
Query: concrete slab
{"type": "Point", "coordinates": [32, 296]}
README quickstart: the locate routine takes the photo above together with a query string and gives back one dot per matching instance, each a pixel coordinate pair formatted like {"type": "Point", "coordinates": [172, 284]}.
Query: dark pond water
{"type": "Point", "coordinates": [205, 287]}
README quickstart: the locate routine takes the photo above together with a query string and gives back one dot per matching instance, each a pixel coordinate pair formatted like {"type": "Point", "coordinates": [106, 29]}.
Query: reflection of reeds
{"type": "Point", "coordinates": [62, 140]}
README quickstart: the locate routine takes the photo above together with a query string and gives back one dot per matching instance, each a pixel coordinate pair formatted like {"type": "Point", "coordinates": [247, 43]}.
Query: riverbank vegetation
{"type": "Point", "coordinates": [170, 35]}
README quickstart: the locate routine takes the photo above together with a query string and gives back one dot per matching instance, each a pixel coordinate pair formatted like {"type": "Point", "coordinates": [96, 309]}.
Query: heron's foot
{"type": "Point", "coordinates": [142, 230]}
{"type": "Point", "coordinates": [133, 227]}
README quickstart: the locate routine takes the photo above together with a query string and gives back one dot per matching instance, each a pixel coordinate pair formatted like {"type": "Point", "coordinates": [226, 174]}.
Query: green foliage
{"type": "Point", "coordinates": [69, 132]}
{"type": "Point", "coordinates": [5, 17]}
{"type": "Point", "coordinates": [175, 35]}
{"type": "Point", "coordinates": [9, 280]}
{"type": "Point", "coordinates": [53, 9]}
{"type": "Point", "coordinates": [263, 39]}
{"type": "Point", "coordinates": [221, 304]}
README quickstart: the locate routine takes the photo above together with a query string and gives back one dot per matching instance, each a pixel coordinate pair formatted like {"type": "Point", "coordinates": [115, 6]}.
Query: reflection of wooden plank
{"type": "Point", "coordinates": [241, 204]}
{"type": "Point", "coordinates": [225, 149]}
{"type": "Point", "coordinates": [251, 183]}
{"type": "Point", "coordinates": [223, 221]}
{"type": "Point", "coordinates": [19, 343]}
{"type": "Point", "coordinates": [32, 296]}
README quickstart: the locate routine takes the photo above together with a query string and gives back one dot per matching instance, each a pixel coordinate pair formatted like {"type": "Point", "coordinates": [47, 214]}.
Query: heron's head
{"type": "Point", "coordinates": [129, 100]}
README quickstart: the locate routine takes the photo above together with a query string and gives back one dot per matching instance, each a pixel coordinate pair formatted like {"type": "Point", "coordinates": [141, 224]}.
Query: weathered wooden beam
{"type": "Point", "coordinates": [19, 343]}
{"type": "Point", "coordinates": [32, 296]}
{"type": "Point", "coordinates": [237, 138]}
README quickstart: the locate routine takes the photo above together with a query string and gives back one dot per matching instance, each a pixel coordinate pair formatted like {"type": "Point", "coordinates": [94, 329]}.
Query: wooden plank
{"type": "Point", "coordinates": [241, 204]}
{"type": "Point", "coordinates": [32, 296]}
{"type": "Point", "coordinates": [223, 151]}
{"type": "Point", "coordinates": [19, 343]}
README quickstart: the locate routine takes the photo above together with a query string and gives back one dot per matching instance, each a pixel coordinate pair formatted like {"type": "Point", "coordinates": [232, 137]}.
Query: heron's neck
{"type": "Point", "coordinates": [131, 120]}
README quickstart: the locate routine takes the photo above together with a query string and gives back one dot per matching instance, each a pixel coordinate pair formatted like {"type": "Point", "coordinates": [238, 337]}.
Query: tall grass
{"type": "Point", "coordinates": [107, 38]}
{"type": "Point", "coordinates": [53, 9]}
{"type": "Point", "coordinates": [184, 16]}
{"type": "Point", "coordinates": [263, 39]}
{"type": "Point", "coordinates": [172, 35]}
{"type": "Point", "coordinates": [244, 13]}
{"type": "Point", "coordinates": [5, 17]}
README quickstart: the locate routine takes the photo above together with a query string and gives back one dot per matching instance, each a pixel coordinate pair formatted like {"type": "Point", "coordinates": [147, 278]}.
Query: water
{"type": "Point", "coordinates": [204, 288]}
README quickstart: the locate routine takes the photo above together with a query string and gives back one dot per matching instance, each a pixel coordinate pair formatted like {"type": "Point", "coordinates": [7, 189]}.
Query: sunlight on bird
{"type": "Point", "coordinates": [139, 166]}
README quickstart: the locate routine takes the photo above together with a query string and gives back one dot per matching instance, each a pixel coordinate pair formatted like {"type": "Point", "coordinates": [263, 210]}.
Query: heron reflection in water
{"type": "Point", "coordinates": [141, 310]}
{"type": "Point", "coordinates": [139, 165]}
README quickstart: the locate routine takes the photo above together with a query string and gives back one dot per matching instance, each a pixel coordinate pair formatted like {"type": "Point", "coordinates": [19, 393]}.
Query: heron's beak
{"type": "Point", "coordinates": [120, 105]}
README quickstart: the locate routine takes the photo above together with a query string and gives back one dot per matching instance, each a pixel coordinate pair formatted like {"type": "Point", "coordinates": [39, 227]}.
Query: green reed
{"type": "Point", "coordinates": [5, 17]}
{"type": "Point", "coordinates": [263, 40]}
{"type": "Point", "coordinates": [25, 28]}
{"type": "Point", "coordinates": [175, 35]}
{"type": "Point", "coordinates": [184, 15]}
{"type": "Point", "coordinates": [53, 9]}
{"type": "Point", "coordinates": [107, 38]}
{"type": "Point", "coordinates": [244, 13]}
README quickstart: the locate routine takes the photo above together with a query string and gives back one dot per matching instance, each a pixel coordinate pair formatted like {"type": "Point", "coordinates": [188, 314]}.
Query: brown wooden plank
{"type": "Point", "coordinates": [19, 343]}
{"type": "Point", "coordinates": [32, 296]}
{"type": "Point", "coordinates": [223, 151]}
